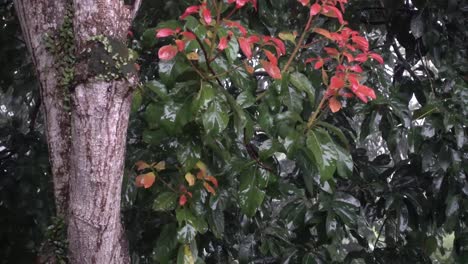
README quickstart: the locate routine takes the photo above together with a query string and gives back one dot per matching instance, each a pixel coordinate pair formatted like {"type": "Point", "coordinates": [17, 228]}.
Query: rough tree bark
{"type": "Point", "coordinates": [86, 142]}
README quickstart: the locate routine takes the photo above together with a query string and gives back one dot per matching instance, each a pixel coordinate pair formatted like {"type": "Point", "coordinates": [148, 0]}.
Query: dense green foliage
{"type": "Point", "coordinates": [383, 182]}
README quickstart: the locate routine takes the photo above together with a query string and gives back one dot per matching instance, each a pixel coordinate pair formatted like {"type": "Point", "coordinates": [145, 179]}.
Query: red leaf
{"type": "Point", "coordinates": [319, 64]}
{"type": "Point", "coordinates": [188, 35]}
{"type": "Point", "coordinates": [331, 51]}
{"type": "Point", "coordinates": [223, 43]}
{"type": "Point", "coordinates": [356, 68]}
{"type": "Point", "coordinates": [182, 200]}
{"type": "Point", "coordinates": [363, 92]}
{"type": "Point", "coordinates": [190, 10]}
{"type": "Point", "coordinates": [164, 32]}
{"type": "Point", "coordinates": [237, 25]}
{"type": "Point", "coordinates": [334, 104]}
{"type": "Point", "coordinates": [332, 11]}
{"type": "Point", "coordinates": [348, 56]}
{"type": "Point", "coordinates": [315, 9]}
{"type": "Point", "coordinates": [361, 42]}
{"type": "Point", "coordinates": [167, 52]}
{"type": "Point", "coordinates": [180, 44]}
{"type": "Point", "coordinates": [304, 2]}
{"type": "Point", "coordinates": [361, 57]}
{"type": "Point", "coordinates": [376, 57]}
{"type": "Point", "coordinates": [253, 39]}
{"type": "Point", "coordinates": [271, 69]}
{"type": "Point", "coordinates": [336, 83]}
{"type": "Point", "coordinates": [271, 57]}
{"type": "Point", "coordinates": [245, 47]}
{"type": "Point", "coordinates": [206, 13]}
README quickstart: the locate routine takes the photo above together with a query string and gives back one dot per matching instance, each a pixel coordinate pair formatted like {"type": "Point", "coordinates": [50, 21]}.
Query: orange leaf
{"type": "Point", "coordinates": [145, 180]}
{"type": "Point", "coordinates": [212, 179]}
{"type": "Point", "coordinates": [209, 188]}
{"type": "Point", "coordinates": [334, 105]}
{"type": "Point", "coordinates": [141, 165]}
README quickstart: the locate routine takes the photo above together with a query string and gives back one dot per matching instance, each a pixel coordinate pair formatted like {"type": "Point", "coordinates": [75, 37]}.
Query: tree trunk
{"type": "Point", "coordinates": [86, 142]}
{"type": "Point", "coordinates": [99, 128]}
{"type": "Point", "coordinates": [36, 20]}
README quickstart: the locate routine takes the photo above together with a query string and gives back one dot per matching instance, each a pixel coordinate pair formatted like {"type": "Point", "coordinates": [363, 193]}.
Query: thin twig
{"type": "Point", "coordinates": [298, 45]}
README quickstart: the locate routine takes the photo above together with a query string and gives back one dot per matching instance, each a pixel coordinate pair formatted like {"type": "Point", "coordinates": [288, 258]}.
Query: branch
{"type": "Point", "coordinates": [135, 8]}
{"type": "Point", "coordinates": [405, 63]}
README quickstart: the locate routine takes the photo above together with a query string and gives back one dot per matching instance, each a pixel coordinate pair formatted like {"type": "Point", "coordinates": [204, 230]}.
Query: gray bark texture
{"type": "Point", "coordinates": [86, 143]}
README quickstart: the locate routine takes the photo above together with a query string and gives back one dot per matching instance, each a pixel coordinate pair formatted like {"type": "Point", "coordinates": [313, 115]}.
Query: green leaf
{"type": "Point", "coordinates": [205, 96]}
{"type": "Point", "coordinates": [166, 243]}
{"type": "Point", "coordinates": [324, 152]}
{"type": "Point", "coordinates": [425, 111]}
{"type": "Point", "coordinates": [186, 234]}
{"type": "Point", "coordinates": [245, 99]}
{"type": "Point", "coordinates": [194, 25]}
{"type": "Point", "coordinates": [232, 51]}
{"type": "Point", "coordinates": [197, 222]}
{"type": "Point", "coordinates": [301, 82]}
{"type": "Point", "coordinates": [158, 88]}
{"type": "Point", "coordinates": [216, 221]}
{"type": "Point", "coordinates": [336, 131]}
{"type": "Point", "coordinates": [344, 163]}
{"type": "Point", "coordinates": [188, 155]}
{"type": "Point", "coordinates": [216, 118]}
{"type": "Point", "coordinates": [165, 201]}
{"type": "Point", "coordinates": [250, 196]}
{"type": "Point", "coordinates": [137, 100]}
